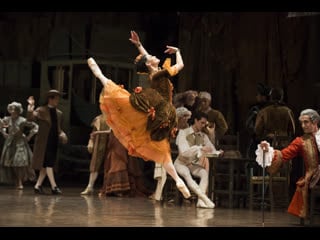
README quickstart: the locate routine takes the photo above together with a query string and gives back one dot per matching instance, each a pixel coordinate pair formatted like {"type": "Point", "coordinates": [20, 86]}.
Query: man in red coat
{"type": "Point", "coordinates": [307, 146]}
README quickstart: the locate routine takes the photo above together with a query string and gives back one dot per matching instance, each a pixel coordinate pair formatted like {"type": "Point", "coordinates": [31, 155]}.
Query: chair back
{"type": "Point", "coordinates": [277, 184]}
{"type": "Point", "coordinates": [230, 144]}
{"type": "Point", "coordinates": [280, 142]}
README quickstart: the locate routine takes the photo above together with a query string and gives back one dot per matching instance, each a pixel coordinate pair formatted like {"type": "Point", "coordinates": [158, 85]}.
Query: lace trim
{"type": "Point", "coordinates": [267, 156]}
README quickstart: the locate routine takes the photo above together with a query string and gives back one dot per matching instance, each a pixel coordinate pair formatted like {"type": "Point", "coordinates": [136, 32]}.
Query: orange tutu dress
{"type": "Point", "coordinates": [129, 125]}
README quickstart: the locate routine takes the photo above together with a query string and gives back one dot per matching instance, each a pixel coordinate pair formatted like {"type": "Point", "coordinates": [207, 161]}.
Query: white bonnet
{"type": "Point", "coordinates": [180, 111]}
{"type": "Point", "coordinates": [15, 106]}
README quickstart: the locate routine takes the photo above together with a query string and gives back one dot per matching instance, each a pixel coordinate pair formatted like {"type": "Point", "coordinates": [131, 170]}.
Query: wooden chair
{"type": "Point", "coordinates": [273, 183]}
{"type": "Point", "coordinates": [278, 182]}
{"type": "Point", "coordinates": [230, 144]}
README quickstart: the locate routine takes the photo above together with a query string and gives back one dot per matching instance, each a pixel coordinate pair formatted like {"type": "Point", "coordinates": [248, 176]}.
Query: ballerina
{"type": "Point", "coordinates": [144, 120]}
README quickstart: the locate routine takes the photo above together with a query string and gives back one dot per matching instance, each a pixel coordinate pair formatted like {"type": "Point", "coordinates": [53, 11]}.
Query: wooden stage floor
{"type": "Point", "coordinates": [23, 208]}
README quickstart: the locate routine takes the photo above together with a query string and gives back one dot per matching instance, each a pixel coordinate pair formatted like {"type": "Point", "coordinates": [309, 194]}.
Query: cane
{"type": "Point", "coordinates": [263, 162]}
{"type": "Point", "coordinates": [263, 183]}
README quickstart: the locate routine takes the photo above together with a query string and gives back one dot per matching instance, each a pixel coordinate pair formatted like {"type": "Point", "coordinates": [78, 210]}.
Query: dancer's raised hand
{"type": "Point", "coordinates": [134, 38]}
{"type": "Point", "coordinates": [171, 50]}
{"type": "Point", "coordinates": [31, 102]}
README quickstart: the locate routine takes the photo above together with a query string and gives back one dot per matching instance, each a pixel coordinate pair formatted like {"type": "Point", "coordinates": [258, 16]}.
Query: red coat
{"type": "Point", "coordinates": [305, 147]}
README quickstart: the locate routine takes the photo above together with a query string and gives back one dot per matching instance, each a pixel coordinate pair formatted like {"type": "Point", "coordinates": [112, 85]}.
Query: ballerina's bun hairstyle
{"type": "Point", "coordinates": [140, 62]}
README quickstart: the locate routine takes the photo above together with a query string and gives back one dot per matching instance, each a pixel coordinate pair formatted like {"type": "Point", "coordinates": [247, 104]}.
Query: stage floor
{"type": "Point", "coordinates": [23, 208]}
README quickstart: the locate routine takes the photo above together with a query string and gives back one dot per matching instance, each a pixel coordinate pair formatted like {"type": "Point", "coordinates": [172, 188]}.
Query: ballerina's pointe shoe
{"type": "Point", "coordinates": [87, 191]}
{"type": "Point", "coordinates": [201, 204]}
{"type": "Point", "coordinates": [184, 190]}
{"type": "Point", "coordinates": [207, 201]}
{"type": "Point", "coordinates": [94, 67]}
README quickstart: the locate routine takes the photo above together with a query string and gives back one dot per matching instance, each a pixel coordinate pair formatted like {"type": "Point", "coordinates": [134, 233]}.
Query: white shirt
{"type": "Point", "coordinates": [192, 153]}
{"type": "Point", "coordinates": [317, 136]}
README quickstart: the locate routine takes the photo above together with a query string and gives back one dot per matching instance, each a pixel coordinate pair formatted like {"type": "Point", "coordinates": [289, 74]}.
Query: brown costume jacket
{"type": "Point", "coordinates": [41, 116]}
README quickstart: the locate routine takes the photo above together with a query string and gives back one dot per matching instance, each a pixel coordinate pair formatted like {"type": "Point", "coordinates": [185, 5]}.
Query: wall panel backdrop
{"type": "Point", "coordinates": [224, 53]}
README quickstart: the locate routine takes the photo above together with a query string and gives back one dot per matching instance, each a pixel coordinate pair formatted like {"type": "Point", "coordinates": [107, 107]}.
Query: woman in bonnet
{"type": "Point", "coordinates": [16, 157]}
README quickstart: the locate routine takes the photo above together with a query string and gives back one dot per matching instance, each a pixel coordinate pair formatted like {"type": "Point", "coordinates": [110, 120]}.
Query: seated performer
{"type": "Point", "coordinates": [193, 145]}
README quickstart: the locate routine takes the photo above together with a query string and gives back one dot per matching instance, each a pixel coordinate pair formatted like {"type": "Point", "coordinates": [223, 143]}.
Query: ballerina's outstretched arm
{"type": "Point", "coordinates": [134, 38]}
{"type": "Point", "coordinates": [179, 61]}
{"type": "Point", "coordinates": [97, 71]}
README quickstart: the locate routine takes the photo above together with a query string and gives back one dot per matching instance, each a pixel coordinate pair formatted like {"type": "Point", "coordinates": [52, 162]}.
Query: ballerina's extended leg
{"type": "Point", "coordinates": [183, 189]}
{"type": "Point", "coordinates": [168, 166]}
{"type": "Point", "coordinates": [97, 71]}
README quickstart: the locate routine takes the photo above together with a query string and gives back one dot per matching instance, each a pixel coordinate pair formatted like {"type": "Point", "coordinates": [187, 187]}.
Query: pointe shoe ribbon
{"type": "Point", "coordinates": [184, 190]}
